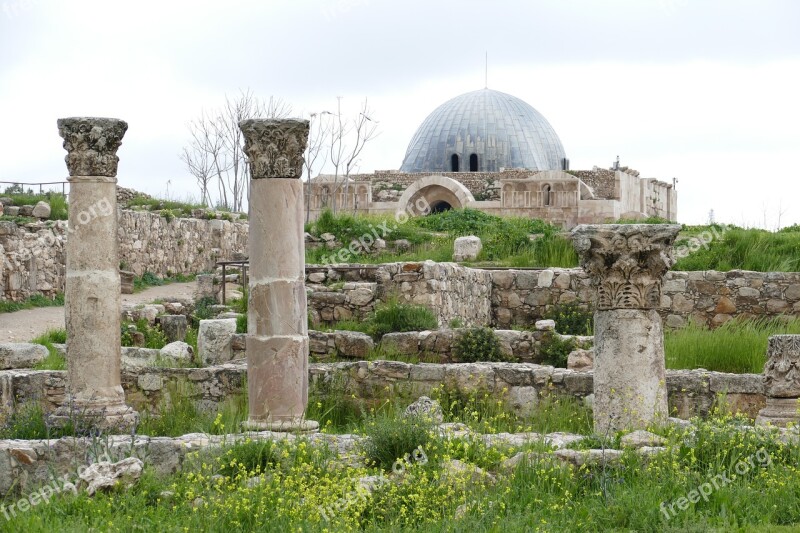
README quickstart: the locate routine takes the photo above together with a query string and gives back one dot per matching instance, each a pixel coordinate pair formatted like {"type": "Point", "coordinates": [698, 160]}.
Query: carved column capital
{"type": "Point", "coordinates": [782, 369]}
{"type": "Point", "coordinates": [275, 148]}
{"type": "Point", "coordinates": [92, 144]}
{"type": "Point", "coordinates": [626, 262]}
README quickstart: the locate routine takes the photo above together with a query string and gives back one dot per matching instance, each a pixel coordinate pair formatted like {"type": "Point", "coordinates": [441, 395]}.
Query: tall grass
{"type": "Point", "coordinates": [392, 316]}
{"type": "Point", "coordinates": [506, 240]}
{"type": "Point", "coordinates": [54, 360]}
{"type": "Point", "coordinates": [747, 249]}
{"type": "Point", "coordinates": [738, 346]}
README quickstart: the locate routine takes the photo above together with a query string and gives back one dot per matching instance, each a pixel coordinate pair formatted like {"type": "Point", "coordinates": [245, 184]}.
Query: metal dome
{"type": "Point", "coordinates": [484, 131]}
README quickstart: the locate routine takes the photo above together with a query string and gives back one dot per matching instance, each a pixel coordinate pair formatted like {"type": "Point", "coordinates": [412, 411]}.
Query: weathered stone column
{"type": "Point", "coordinates": [626, 263]}
{"type": "Point", "coordinates": [92, 293]}
{"type": "Point", "coordinates": [277, 323]}
{"type": "Point", "coordinates": [782, 381]}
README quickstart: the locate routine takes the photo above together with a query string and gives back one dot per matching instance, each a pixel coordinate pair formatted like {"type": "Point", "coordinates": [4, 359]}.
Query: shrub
{"type": "Point", "coordinates": [154, 336]}
{"type": "Point", "coordinates": [202, 309]}
{"type": "Point", "coordinates": [478, 344]}
{"type": "Point", "coordinates": [393, 316]}
{"type": "Point", "coordinates": [554, 349]}
{"type": "Point", "coordinates": [392, 438]}
{"type": "Point", "coordinates": [571, 319]}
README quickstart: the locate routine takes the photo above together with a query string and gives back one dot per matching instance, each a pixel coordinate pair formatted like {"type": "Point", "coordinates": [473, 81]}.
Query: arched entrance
{"type": "Point", "coordinates": [440, 207]}
{"type": "Point", "coordinates": [435, 194]}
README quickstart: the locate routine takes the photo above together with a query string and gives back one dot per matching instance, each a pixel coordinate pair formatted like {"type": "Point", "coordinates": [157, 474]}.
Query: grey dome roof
{"type": "Point", "coordinates": [500, 129]}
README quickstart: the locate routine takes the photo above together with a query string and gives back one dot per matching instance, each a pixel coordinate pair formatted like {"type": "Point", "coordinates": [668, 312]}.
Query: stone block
{"type": "Point", "coordinates": [405, 343]}
{"type": "Point", "coordinates": [353, 344]}
{"type": "Point", "coordinates": [21, 355]}
{"type": "Point", "coordinates": [214, 340]}
{"type": "Point", "coordinates": [41, 210]}
{"type": "Point", "coordinates": [467, 248]}
{"type": "Point", "coordinates": [174, 327]}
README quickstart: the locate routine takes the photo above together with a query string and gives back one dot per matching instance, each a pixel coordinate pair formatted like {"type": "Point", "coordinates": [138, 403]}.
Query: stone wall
{"type": "Point", "coordinates": [691, 392]}
{"type": "Point", "coordinates": [524, 296]}
{"type": "Point", "coordinates": [449, 290]}
{"type": "Point", "coordinates": [706, 297]}
{"type": "Point", "coordinates": [32, 256]}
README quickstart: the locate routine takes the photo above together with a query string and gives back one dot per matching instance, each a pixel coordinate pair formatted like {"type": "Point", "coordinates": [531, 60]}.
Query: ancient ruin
{"type": "Point", "coordinates": [277, 344]}
{"type": "Point", "coordinates": [782, 382]}
{"type": "Point", "coordinates": [626, 264]}
{"type": "Point", "coordinates": [492, 151]}
{"type": "Point", "coordinates": [92, 293]}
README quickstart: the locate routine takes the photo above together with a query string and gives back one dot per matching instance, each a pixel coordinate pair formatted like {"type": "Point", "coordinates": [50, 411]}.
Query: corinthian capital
{"type": "Point", "coordinates": [91, 144]}
{"type": "Point", "coordinates": [626, 262]}
{"type": "Point", "coordinates": [275, 148]}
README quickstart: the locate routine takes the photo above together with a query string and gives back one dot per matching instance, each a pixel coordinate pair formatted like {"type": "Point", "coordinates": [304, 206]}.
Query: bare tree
{"type": "Point", "coordinates": [364, 130]}
{"type": "Point", "coordinates": [338, 132]}
{"type": "Point", "coordinates": [348, 139]}
{"type": "Point", "coordinates": [216, 150]}
{"type": "Point", "coordinates": [201, 155]}
{"type": "Point", "coordinates": [316, 142]}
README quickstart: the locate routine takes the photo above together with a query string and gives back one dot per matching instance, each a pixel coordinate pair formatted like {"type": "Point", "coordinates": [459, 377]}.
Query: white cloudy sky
{"type": "Point", "coordinates": [705, 91]}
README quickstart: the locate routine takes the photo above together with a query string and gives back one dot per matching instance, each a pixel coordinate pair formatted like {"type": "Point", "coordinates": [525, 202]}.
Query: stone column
{"type": "Point", "coordinates": [92, 294]}
{"type": "Point", "coordinates": [782, 382]}
{"type": "Point", "coordinates": [277, 323]}
{"type": "Point", "coordinates": [626, 263]}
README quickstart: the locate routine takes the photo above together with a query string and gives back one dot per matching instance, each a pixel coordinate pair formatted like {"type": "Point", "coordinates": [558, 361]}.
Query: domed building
{"type": "Point", "coordinates": [492, 151]}
{"type": "Point", "coordinates": [484, 131]}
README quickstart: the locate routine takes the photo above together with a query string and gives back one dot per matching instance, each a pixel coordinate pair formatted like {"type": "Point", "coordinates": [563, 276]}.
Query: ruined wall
{"type": "Point", "coordinates": [706, 297]}
{"type": "Point", "coordinates": [32, 256]}
{"type": "Point", "coordinates": [449, 290]}
{"type": "Point", "coordinates": [691, 392]}
{"type": "Point", "coordinates": [502, 298]}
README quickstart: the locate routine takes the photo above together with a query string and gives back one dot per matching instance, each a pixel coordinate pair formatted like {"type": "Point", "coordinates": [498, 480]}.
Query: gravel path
{"type": "Point", "coordinates": [23, 326]}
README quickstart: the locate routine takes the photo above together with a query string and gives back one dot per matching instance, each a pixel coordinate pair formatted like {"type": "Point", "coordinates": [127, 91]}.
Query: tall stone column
{"type": "Point", "coordinates": [92, 293]}
{"type": "Point", "coordinates": [627, 263]}
{"type": "Point", "coordinates": [782, 380]}
{"type": "Point", "coordinates": [277, 317]}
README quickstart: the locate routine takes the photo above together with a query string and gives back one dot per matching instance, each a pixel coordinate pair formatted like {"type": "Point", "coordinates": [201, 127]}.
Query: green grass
{"type": "Point", "coordinates": [731, 248]}
{"type": "Point", "coordinates": [301, 488]}
{"type": "Point", "coordinates": [54, 360]}
{"type": "Point", "coordinates": [506, 240]}
{"type": "Point", "coordinates": [57, 201]}
{"type": "Point", "coordinates": [391, 316]}
{"type": "Point", "coordinates": [180, 415]}
{"type": "Point", "coordinates": [738, 346]}
{"type": "Point", "coordinates": [37, 300]}
{"type": "Point", "coordinates": [182, 208]}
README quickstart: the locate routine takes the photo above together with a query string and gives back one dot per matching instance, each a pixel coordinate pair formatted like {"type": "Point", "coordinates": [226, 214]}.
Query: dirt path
{"type": "Point", "coordinates": [23, 326]}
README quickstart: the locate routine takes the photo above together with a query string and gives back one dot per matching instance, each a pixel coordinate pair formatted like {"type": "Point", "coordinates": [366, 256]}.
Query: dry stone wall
{"type": "Point", "coordinates": [502, 298]}
{"type": "Point", "coordinates": [706, 297]}
{"type": "Point", "coordinates": [690, 392]}
{"type": "Point", "coordinates": [32, 256]}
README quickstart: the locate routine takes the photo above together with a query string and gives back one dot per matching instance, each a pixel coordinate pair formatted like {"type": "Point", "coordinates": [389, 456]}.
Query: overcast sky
{"type": "Point", "coordinates": [705, 91]}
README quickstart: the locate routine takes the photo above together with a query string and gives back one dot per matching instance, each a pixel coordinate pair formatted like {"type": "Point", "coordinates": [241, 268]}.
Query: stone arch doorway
{"type": "Point", "coordinates": [434, 193]}
{"type": "Point", "coordinates": [440, 207]}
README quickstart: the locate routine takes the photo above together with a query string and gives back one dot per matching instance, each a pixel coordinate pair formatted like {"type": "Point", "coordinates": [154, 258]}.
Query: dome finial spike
{"type": "Point", "coordinates": [486, 71]}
